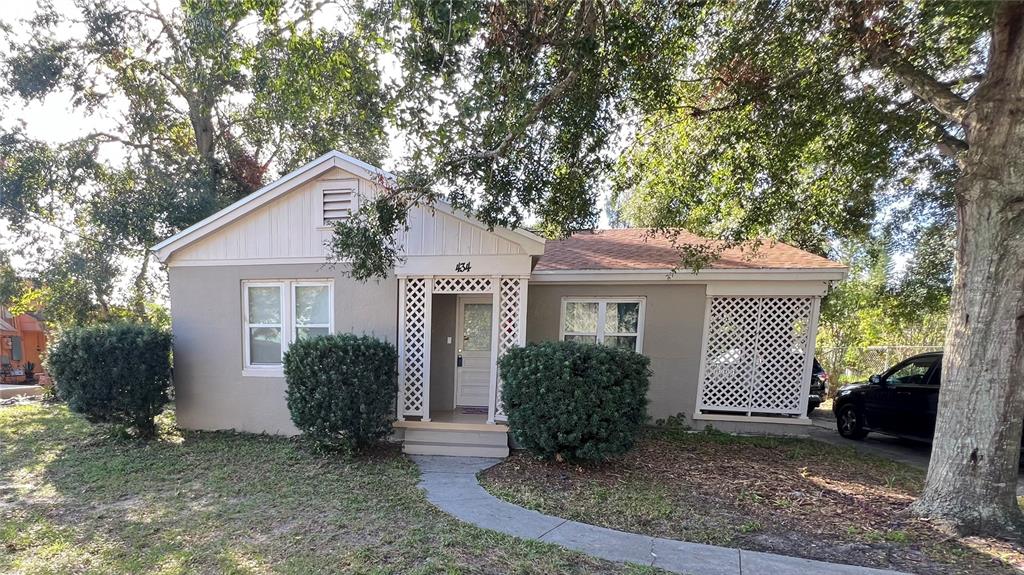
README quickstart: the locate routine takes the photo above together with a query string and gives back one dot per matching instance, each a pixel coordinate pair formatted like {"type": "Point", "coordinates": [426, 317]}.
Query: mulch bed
{"type": "Point", "coordinates": [790, 496]}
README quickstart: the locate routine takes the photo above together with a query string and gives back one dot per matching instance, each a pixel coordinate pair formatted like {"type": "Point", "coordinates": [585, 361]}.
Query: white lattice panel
{"type": "Point", "coordinates": [778, 380]}
{"type": "Point", "coordinates": [754, 356]}
{"type": "Point", "coordinates": [463, 284]}
{"type": "Point", "coordinates": [415, 342]}
{"type": "Point", "coordinates": [510, 326]}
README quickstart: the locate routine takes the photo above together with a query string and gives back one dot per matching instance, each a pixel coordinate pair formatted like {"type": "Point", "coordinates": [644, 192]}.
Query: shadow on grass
{"type": "Point", "coordinates": [75, 498]}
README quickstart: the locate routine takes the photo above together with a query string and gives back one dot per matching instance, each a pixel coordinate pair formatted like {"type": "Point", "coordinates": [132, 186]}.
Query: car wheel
{"type": "Point", "coordinates": [850, 424]}
{"type": "Point", "coordinates": [810, 409]}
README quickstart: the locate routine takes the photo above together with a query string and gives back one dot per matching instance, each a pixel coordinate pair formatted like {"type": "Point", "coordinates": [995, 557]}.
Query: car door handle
{"type": "Point", "coordinates": [458, 361]}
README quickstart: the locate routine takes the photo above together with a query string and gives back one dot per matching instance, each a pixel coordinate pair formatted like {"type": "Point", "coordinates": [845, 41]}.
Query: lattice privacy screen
{"type": "Point", "coordinates": [754, 358]}
{"type": "Point", "coordinates": [414, 377]}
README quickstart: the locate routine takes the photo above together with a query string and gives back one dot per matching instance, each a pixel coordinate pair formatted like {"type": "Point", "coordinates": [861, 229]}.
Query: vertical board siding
{"type": "Point", "coordinates": [435, 233]}
{"type": "Point", "coordinates": [290, 227]}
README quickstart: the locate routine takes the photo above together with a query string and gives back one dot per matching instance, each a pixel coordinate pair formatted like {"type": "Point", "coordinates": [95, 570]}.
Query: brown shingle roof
{"type": "Point", "coordinates": [644, 249]}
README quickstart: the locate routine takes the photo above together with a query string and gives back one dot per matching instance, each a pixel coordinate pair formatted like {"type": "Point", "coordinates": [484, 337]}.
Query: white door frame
{"type": "Point", "coordinates": [460, 301]}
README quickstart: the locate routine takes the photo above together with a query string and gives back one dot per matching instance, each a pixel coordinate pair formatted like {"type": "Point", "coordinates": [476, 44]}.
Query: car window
{"type": "Point", "coordinates": [912, 372]}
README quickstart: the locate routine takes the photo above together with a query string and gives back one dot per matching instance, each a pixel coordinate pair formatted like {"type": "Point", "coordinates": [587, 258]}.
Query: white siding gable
{"type": "Point", "coordinates": [435, 233]}
{"type": "Point", "coordinates": [292, 227]}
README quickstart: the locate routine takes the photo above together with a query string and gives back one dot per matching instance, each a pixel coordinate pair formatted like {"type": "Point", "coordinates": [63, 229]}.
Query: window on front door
{"type": "Point", "coordinates": [617, 322]}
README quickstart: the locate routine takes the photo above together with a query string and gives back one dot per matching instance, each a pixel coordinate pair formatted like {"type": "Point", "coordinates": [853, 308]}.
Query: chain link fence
{"type": "Point", "coordinates": [851, 364]}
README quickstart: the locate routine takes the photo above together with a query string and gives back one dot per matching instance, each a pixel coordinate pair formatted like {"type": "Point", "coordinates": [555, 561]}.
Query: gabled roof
{"type": "Point", "coordinates": [332, 159]}
{"type": "Point", "coordinates": [642, 249]}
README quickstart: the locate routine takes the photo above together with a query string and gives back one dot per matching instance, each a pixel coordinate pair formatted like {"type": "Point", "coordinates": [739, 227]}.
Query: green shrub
{"type": "Point", "coordinates": [117, 373]}
{"type": "Point", "coordinates": [570, 400]}
{"type": "Point", "coordinates": [342, 388]}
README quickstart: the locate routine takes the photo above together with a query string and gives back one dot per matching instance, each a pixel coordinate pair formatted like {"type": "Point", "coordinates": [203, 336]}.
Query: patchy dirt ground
{"type": "Point", "coordinates": [789, 496]}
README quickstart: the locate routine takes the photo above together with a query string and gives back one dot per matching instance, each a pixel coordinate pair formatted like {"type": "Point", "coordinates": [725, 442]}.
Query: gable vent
{"type": "Point", "coordinates": [338, 204]}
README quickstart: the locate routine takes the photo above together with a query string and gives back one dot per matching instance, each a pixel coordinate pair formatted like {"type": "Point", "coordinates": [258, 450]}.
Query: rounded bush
{"type": "Point", "coordinates": [116, 373]}
{"type": "Point", "coordinates": [570, 400]}
{"type": "Point", "coordinates": [342, 388]}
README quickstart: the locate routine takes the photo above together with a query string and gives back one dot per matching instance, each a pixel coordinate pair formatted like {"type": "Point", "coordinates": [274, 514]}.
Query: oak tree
{"type": "Point", "coordinates": [802, 120]}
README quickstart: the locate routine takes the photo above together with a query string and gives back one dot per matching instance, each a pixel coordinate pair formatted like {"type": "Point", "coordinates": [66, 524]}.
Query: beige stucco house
{"type": "Point", "coordinates": [730, 346]}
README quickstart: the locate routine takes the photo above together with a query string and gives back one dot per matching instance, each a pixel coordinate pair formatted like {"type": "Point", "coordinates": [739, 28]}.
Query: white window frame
{"type": "Point", "coordinates": [602, 309]}
{"type": "Point", "coordinates": [294, 334]}
{"type": "Point", "coordinates": [287, 325]}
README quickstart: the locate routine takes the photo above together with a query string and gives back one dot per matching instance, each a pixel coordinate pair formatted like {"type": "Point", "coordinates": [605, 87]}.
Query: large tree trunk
{"type": "Point", "coordinates": [972, 478]}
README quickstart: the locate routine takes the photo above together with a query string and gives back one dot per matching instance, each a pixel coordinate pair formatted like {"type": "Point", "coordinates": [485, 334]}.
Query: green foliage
{"type": "Point", "coordinates": [195, 106]}
{"type": "Point", "coordinates": [11, 286]}
{"type": "Point", "coordinates": [894, 314]}
{"type": "Point", "coordinates": [362, 234]}
{"type": "Point", "coordinates": [118, 373]}
{"type": "Point", "coordinates": [785, 120]}
{"type": "Point", "coordinates": [574, 401]}
{"type": "Point", "coordinates": [512, 107]}
{"type": "Point", "coordinates": [342, 389]}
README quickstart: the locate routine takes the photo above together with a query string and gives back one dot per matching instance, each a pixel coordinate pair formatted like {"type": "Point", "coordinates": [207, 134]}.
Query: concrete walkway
{"type": "Point", "coordinates": [450, 484]}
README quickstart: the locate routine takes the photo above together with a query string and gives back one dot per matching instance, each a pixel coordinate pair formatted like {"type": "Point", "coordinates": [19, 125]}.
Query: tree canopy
{"type": "Point", "coordinates": [733, 120]}
{"type": "Point", "coordinates": [199, 106]}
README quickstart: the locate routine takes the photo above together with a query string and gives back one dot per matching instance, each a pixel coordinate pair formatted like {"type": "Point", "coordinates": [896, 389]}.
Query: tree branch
{"type": "Point", "coordinates": [950, 146]}
{"type": "Point", "coordinates": [539, 106]}
{"type": "Point", "coordinates": [882, 55]}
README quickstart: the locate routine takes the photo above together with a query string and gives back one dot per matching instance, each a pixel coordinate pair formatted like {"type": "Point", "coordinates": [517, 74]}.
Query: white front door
{"type": "Point", "coordinates": [473, 363]}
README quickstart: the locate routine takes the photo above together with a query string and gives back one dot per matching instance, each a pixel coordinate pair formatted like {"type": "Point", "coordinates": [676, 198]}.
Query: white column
{"type": "Point", "coordinates": [701, 371]}
{"type": "Point", "coordinates": [523, 292]}
{"type": "Point", "coordinates": [427, 323]}
{"type": "Point", "coordinates": [809, 349]}
{"type": "Point", "coordinates": [495, 336]}
{"type": "Point", "coordinates": [400, 399]}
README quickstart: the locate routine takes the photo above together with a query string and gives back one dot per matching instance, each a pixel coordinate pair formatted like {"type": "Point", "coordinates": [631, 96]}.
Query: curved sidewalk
{"type": "Point", "coordinates": [450, 484]}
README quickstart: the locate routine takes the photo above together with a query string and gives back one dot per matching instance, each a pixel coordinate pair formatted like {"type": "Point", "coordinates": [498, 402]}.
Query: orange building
{"type": "Point", "coordinates": [22, 341]}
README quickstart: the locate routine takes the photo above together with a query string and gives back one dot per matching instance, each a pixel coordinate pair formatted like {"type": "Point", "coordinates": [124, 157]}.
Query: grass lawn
{"type": "Point", "coordinates": [75, 499]}
{"type": "Point", "coordinates": [791, 496]}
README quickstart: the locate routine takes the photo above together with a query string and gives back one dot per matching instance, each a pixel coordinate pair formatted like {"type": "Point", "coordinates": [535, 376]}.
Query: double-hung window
{"type": "Point", "coordinates": [617, 322]}
{"type": "Point", "coordinates": [277, 313]}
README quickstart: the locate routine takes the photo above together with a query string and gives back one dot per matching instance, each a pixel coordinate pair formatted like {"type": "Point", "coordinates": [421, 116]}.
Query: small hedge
{"type": "Point", "coordinates": [569, 400]}
{"type": "Point", "coordinates": [117, 373]}
{"type": "Point", "coordinates": [342, 388]}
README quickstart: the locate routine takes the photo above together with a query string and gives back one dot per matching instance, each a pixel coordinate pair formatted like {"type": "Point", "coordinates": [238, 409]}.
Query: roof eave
{"type": "Point", "coordinates": [711, 274]}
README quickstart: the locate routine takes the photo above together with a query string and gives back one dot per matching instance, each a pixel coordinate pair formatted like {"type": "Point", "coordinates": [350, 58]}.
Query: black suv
{"type": "Point", "coordinates": [902, 401]}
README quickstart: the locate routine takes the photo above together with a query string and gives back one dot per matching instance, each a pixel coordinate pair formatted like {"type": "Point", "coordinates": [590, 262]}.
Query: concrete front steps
{"type": "Point", "coordinates": [456, 439]}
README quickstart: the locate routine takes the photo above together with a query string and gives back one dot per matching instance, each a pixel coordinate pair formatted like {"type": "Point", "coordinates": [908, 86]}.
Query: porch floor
{"type": "Point", "coordinates": [454, 420]}
{"type": "Point", "coordinates": [457, 415]}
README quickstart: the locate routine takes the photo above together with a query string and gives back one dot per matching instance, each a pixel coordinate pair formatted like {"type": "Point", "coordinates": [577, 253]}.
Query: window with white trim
{"type": "Point", "coordinates": [617, 322]}
{"type": "Point", "coordinates": [277, 313]}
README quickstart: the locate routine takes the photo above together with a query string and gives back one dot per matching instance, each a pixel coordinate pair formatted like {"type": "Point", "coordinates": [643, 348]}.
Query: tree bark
{"type": "Point", "coordinates": [972, 477]}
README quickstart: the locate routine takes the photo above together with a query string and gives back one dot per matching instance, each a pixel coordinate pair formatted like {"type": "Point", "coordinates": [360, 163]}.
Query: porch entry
{"type": "Point", "coordinates": [473, 352]}
{"type": "Point", "coordinates": [491, 318]}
